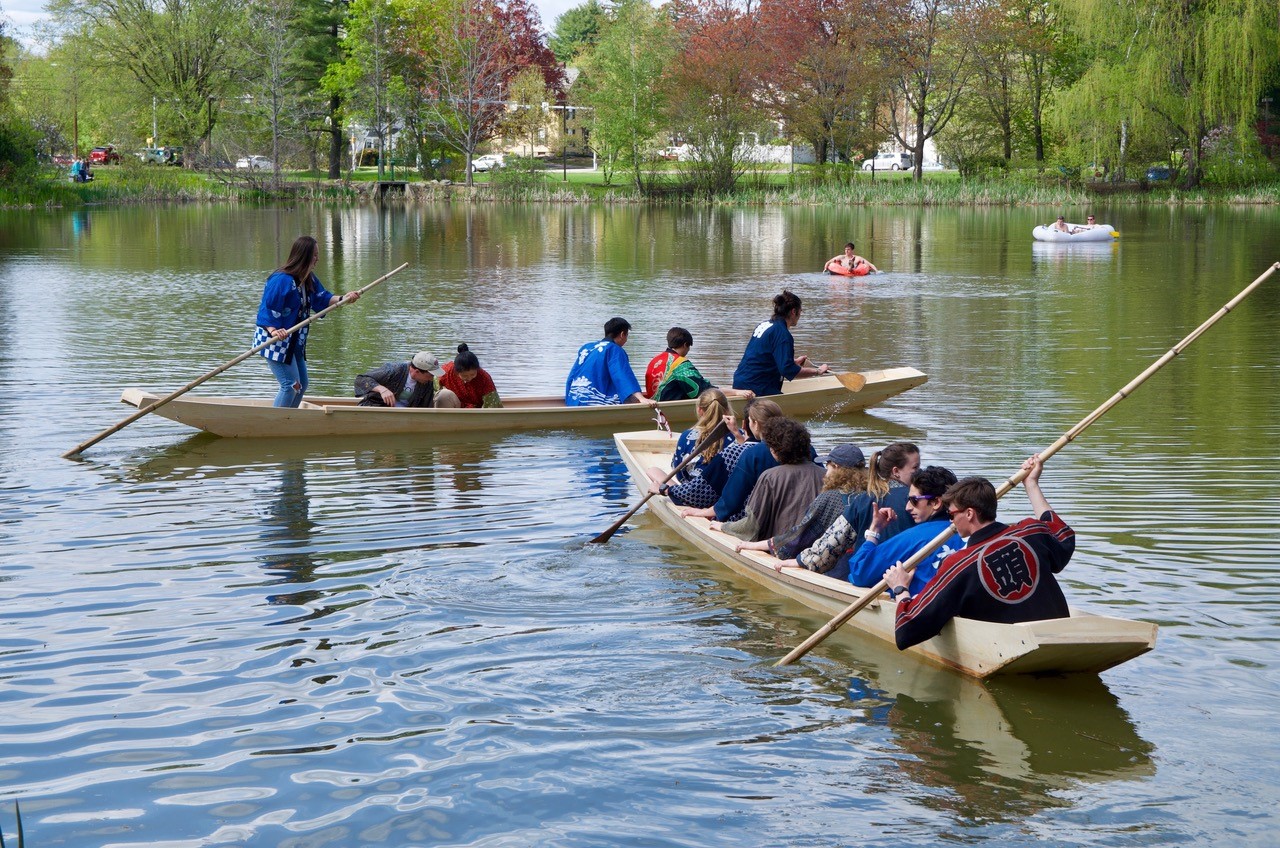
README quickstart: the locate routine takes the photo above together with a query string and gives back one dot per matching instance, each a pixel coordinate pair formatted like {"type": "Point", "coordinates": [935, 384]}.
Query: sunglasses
{"type": "Point", "coordinates": [915, 499]}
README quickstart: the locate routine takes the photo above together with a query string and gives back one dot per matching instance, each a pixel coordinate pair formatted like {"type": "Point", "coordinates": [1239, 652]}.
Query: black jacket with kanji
{"type": "Point", "coordinates": [1003, 574]}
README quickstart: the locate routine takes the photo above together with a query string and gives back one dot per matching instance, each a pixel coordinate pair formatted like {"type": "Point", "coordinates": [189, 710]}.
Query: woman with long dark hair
{"type": "Point", "coordinates": [291, 294]}
{"type": "Point", "coordinates": [770, 356]}
{"type": "Point", "coordinates": [471, 383]}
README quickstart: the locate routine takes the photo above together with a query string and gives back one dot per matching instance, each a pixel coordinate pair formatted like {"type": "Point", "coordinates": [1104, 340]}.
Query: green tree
{"type": "Point", "coordinates": [824, 74]}
{"type": "Point", "coordinates": [527, 115]}
{"type": "Point", "coordinates": [1173, 69]}
{"type": "Point", "coordinates": [576, 29]}
{"type": "Point", "coordinates": [319, 45]}
{"type": "Point", "coordinates": [934, 52]}
{"type": "Point", "coordinates": [183, 53]}
{"type": "Point", "coordinates": [622, 83]}
{"type": "Point", "coordinates": [713, 87]}
{"type": "Point", "coordinates": [370, 75]}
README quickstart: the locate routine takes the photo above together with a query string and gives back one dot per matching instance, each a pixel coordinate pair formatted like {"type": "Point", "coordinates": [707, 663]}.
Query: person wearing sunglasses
{"type": "Point", "coordinates": [924, 505]}
{"type": "Point", "coordinates": [1004, 573]}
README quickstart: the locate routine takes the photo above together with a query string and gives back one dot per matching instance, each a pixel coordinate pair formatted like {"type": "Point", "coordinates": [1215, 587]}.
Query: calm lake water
{"type": "Point", "coordinates": [406, 642]}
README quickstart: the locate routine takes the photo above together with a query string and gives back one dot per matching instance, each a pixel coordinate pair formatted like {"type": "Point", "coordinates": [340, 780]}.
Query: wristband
{"type": "Point", "coordinates": [871, 536]}
{"type": "Point", "coordinates": [897, 590]}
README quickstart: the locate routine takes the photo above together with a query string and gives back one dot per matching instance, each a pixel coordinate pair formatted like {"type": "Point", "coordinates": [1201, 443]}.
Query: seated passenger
{"type": "Point", "coordinates": [891, 471]}
{"type": "Point", "coordinates": [868, 564]}
{"type": "Point", "coordinates": [845, 479]}
{"type": "Point", "coordinates": [408, 384]}
{"type": "Point", "coordinates": [689, 487]}
{"type": "Point", "coordinates": [851, 260]}
{"type": "Point", "coordinates": [1061, 225]}
{"type": "Point", "coordinates": [734, 472]}
{"type": "Point", "coordinates": [674, 377]}
{"type": "Point", "coordinates": [601, 375]}
{"type": "Point", "coordinates": [471, 383]}
{"type": "Point", "coordinates": [782, 494]}
{"type": "Point", "coordinates": [1002, 574]}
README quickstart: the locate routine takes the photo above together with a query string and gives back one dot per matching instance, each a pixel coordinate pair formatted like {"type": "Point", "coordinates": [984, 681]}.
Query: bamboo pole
{"type": "Point", "coordinates": [1066, 438]}
{"type": "Point", "coordinates": [80, 448]}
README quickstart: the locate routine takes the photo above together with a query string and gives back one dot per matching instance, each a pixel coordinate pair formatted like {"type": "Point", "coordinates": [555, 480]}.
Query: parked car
{"type": "Point", "coordinates": [105, 155]}
{"type": "Point", "coordinates": [161, 155]}
{"type": "Point", "coordinates": [254, 163]}
{"type": "Point", "coordinates": [671, 153]}
{"type": "Point", "coordinates": [889, 162]}
{"type": "Point", "coordinates": [488, 162]}
{"type": "Point", "coordinates": [1159, 174]}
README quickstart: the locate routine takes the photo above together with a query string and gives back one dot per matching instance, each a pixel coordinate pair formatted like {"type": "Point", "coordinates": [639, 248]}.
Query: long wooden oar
{"type": "Point", "coordinates": [875, 591]}
{"type": "Point", "coordinates": [78, 449]}
{"type": "Point", "coordinates": [718, 432]}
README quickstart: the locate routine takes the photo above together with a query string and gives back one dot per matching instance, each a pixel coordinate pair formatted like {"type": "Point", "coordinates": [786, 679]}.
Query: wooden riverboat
{"type": "Point", "coordinates": [1082, 643]}
{"type": "Point", "coordinates": [338, 416]}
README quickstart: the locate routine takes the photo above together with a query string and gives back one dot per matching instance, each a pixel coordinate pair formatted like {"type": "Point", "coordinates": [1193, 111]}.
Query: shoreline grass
{"type": "Point", "coordinates": [133, 183]}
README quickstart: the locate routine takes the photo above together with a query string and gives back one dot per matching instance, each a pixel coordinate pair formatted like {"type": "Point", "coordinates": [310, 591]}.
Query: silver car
{"type": "Point", "coordinates": [889, 162]}
{"type": "Point", "coordinates": [254, 163]}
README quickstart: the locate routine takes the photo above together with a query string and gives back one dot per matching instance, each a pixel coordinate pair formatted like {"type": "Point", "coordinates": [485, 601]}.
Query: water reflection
{"type": "Point", "coordinates": [286, 531]}
{"type": "Point", "coordinates": [1004, 750]}
{"type": "Point", "coordinates": [1060, 255]}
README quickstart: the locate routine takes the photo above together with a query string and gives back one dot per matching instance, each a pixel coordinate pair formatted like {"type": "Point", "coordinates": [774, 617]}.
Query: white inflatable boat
{"type": "Point", "coordinates": [1080, 232]}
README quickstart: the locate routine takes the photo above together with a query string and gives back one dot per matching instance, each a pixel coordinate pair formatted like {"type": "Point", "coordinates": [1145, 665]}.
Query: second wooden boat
{"type": "Point", "coordinates": [1082, 643]}
{"type": "Point", "coordinates": [336, 416]}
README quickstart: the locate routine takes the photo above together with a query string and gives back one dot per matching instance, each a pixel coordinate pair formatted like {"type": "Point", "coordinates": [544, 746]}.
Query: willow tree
{"type": "Point", "coordinates": [1171, 68]}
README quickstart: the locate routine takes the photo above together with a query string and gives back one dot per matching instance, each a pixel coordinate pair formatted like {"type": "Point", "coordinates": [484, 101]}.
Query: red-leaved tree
{"type": "Point", "coordinates": [467, 53]}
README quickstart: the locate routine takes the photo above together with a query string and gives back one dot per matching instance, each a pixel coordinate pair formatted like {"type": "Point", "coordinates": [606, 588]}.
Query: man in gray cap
{"type": "Point", "coordinates": [411, 384]}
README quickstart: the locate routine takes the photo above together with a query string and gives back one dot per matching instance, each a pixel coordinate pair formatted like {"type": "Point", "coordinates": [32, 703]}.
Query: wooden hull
{"type": "Point", "coordinates": [324, 416]}
{"type": "Point", "coordinates": [1082, 643]}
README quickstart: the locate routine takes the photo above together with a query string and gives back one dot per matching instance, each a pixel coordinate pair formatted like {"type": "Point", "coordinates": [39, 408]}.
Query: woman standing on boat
{"type": "Point", "coordinates": [770, 356]}
{"type": "Point", "coordinates": [291, 293]}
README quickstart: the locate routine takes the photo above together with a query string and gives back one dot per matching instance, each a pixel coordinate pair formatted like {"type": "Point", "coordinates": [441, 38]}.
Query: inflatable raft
{"type": "Point", "coordinates": [835, 267]}
{"type": "Point", "coordinates": [1098, 232]}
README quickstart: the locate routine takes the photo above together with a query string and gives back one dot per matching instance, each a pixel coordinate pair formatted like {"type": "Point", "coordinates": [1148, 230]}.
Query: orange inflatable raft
{"type": "Point", "coordinates": [860, 270]}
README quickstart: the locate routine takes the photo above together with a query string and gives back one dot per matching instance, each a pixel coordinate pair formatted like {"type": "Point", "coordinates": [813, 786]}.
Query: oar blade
{"type": "Point", "coordinates": [852, 380]}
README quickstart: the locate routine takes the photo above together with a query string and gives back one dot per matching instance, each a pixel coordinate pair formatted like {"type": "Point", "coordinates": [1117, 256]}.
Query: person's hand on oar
{"type": "Point", "coordinates": [716, 433]}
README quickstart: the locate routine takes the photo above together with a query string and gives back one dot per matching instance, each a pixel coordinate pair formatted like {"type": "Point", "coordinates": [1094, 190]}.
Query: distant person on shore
{"type": "Point", "coordinates": [671, 376]}
{"type": "Point", "coordinates": [1003, 574]}
{"type": "Point", "coordinates": [408, 384]}
{"type": "Point", "coordinates": [851, 260]}
{"type": "Point", "coordinates": [770, 355]}
{"type": "Point", "coordinates": [471, 383]}
{"type": "Point", "coordinates": [288, 298]}
{"type": "Point", "coordinates": [601, 375]}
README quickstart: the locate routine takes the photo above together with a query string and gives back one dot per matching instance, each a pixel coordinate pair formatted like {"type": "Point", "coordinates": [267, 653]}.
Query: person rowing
{"type": "Point", "coordinates": [770, 355]}
{"type": "Point", "coordinates": [690, 487]}
{"type": "Point", "coordinates": [1004, 573]}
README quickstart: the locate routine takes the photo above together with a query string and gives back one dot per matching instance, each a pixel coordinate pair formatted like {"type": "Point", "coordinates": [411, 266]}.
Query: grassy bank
{"type": "Point", "coordinates": [132, 182]}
